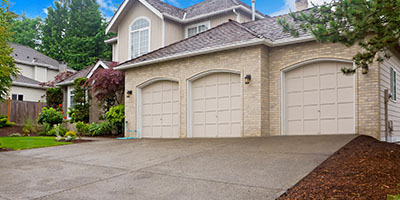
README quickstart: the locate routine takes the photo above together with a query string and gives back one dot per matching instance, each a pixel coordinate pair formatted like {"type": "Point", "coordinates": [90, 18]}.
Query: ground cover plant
{"type": "Point", "coordinates": [363, 169]}
{"type": "Point", "coordinates": [21, 143]}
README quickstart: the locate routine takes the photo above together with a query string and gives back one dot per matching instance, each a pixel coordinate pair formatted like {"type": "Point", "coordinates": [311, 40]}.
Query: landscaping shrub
{"type": "Point", "coordinates": [116, 117]}
{"type": "Point", "coordinates": [71, 135]}
{"type": "Point", "coordinates": [29, 127]}
{"type": "Point", "coordinates": [44, 129]}
{"type": "Point", "coordinates": [51, 116]}
{"type": "Point", "coordinates": [100, 129]}
{"type": "Point", "coordinates": [83, 128]}
{"type": "Point", "coordinates": [54, 97]}
{"type": "Point", "coordinates": [80, 113]}
{"type": "Point", "coordinates": [56, 130]}
{"type": "Point", "coordinates": [15, 135]}
{"type": "Point", "coordinates": [4, 122]}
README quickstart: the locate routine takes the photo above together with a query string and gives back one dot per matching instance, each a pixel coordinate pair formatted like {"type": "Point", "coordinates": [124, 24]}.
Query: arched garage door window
{"type": "Point", "coordinates": [140, 37]}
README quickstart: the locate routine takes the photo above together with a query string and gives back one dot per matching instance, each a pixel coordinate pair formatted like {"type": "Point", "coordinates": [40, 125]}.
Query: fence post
{"type": "Point", "coordinates": [9, 109]}
{"type": "Point", "coordinates": [38, 107]}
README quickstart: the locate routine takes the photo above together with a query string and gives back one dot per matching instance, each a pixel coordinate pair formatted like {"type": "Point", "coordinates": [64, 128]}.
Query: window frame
{"type": "Point", "coordinates": [139, 30]}
{"type": "Point", "coordinates": [393, 84]}
{"type": "Point", "coordinates": [206, 23]}
{"type": "Point", "coordinates": [69, 100]}
{"type": "Point", "coordinates": [17, 97]}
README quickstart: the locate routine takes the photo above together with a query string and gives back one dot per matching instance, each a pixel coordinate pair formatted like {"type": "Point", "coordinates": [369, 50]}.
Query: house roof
{"type": "Point", "coordinates": [228, 33]}
{"type": "Point", "coordinates": [24, 79]}
{"type": "Point", "coordinates": [85, 73]}
{"type": "Point", "coordinates": [266, 31]}
{"type": "Point", "coordinates": [210, 6]}
{"type": "Point", "coordinates": [202, 9]}
{"type": "Point", "coordinates": [28, 55]}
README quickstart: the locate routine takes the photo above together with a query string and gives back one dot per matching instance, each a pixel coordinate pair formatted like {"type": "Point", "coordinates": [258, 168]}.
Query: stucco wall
{"type": "Point", "coordinates": [393, 106]}
{"type": "Point", "coordinates": [135, 10]}
{"type": "Point", "coordinates": [245, 61]}
{"type": "Point", "coordinates": [367, 86]}
{"type": "Point", "coordinates": [174, 32]}
{"type": "Point", "coordinates": [30, 94]}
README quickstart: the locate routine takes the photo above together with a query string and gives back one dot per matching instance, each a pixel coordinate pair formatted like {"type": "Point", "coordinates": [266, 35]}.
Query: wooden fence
{"type": "Point", "coordinates": [19, 111]}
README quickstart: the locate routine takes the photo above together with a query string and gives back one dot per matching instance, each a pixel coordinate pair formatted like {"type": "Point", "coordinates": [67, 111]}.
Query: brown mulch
{"type": "Point", "coordinates": [5, 131]}
{"type": "Point", "coordinates": [363, 169]}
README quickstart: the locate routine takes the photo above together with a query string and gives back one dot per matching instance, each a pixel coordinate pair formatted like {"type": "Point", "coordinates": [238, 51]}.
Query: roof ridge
{"type": "Point", "coordinates": [181, 41]}
{"type": "Point", "coordinates": [248, 30]}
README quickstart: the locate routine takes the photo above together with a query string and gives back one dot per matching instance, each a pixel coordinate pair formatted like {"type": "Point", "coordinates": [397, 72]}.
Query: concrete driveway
{"type": "Point", "coordinates": [252, 168]}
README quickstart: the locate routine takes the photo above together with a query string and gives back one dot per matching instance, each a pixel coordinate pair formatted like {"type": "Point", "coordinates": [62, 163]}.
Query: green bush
{"type": "Point", "coordinates": [71, 135]}
{"type": "Point", "coordinates": [54, 97]}
{"type": "Point", "coordinates": [116, 117]}
{"type": "Point", "coordinates": [100, 129]}
{"type": "Point", "coordinates": [80, 113]}
{"type": "Point", "coordinates": [4, 122]}
{"type": "Point", "coordinates": [29, 127]}
{"type": "Point", "coordinates": [50, 116]}
{"type": "Point", "coordinates": [83, 128]}
{"type": "Point", "coordinates": [44, 129]}
{"type": "Point", "coordinates": [393, 197]}
{"type": "Point", "coordinates": [56, 130]}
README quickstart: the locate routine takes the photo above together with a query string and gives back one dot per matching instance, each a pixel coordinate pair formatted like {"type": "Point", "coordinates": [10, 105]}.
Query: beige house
{"type": "Point", "coordinates": [242, 78]}
{"type": "Point", "coordinates": [35, 68]}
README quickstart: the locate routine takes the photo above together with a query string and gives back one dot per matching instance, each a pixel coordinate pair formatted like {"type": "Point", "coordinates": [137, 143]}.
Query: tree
{"type": "Point", "coordinates": [75, 32]}
{"type": "Point", "coordinates": [54, 30]}
{"type": "Point", "coordinates": [374, 25]}
{"type": "Point", "coordinates": [25, 31]}
{"type": "Point", "coordinates": [7, 66]}
{"type": "Point", "coordinates": [54, 97]}
{"type": "Point", "coordinates": [107, 86]}
{"type": "Point", "coordinates": [80, 112]}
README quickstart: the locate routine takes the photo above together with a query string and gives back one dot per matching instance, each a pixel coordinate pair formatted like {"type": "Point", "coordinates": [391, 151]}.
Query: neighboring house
{"type": "Point", "coordinates": [35, 68]}
{"type": "Point", "coordinates": [243, 79]}
{"type": "Point", "coordinates": [146, 25]}
{"type": "Point", "coordinates": [67, 86]}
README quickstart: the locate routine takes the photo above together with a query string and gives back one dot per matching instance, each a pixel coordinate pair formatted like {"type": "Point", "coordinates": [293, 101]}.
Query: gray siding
{"type": "Point", "coordinates": [394, 107]}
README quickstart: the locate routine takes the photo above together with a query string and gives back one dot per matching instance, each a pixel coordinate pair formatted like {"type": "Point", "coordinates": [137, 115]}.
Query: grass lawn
{"type": "Point", "coordinates": [20, 143]}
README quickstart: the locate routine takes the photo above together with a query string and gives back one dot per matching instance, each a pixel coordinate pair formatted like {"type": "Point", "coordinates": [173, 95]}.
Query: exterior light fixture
{"type": "Point", "coordinates": [365, 70]}
{"type": "Point", "coordinates": [247, 79]}
{"type": "Point", "coordinates": [129, 93]}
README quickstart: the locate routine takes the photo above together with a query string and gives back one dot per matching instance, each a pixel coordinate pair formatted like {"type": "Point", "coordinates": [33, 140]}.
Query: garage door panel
{"type": "Point", "coordinates": [159, 108]}
{"type": "Point", "coordinates": [198, 105]}
{"type": "Point", "coordinates": [319, 100]}
{"type": "Point", "coordinates": [222, 106]}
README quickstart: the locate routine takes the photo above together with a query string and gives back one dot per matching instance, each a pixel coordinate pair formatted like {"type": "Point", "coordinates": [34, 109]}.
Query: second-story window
{"type": "Point", "coordinates": [140, 37]}
{"type": "Point", "coordinates": [197, 28]}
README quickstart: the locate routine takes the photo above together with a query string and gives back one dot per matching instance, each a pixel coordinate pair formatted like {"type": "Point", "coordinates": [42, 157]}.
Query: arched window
{"type": "Point", "coordinates": [140, 37]}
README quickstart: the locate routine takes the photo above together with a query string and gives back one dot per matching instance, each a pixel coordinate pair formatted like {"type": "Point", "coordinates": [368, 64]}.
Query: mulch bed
{"type": "Point", "coordinates": [5, 131]}
{"type": "Point", "coordinates": [363, 169]}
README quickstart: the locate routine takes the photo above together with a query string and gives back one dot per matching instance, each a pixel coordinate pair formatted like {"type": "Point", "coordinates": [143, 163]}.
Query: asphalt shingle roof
{"type": "Point", "coordinates": [24, 79]}
{"type": "Point", "coordinates": [167, 8]}
{"type": "Point", "coordinates": [28, 54]}
{"type": "Point", "coordinates": [229, 33]}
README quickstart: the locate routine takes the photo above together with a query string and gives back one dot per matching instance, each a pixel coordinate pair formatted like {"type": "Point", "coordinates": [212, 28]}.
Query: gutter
{"type": "Point", "coordinates": [65, 83]}
{"type": "Point", "coordinates": [29, 85]}
{"type": "Point", "coordinates": [253, 42]}
{"type": "Point", "coordinates": [111, 40]}
{"type": "Point", "coordinates": [35, 64]}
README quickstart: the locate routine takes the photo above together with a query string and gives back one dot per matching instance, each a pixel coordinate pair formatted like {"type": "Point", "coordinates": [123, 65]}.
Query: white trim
{"type": "Point", "coordinates": [219, 48]}
{"type": "Point", "coordinates": [301, 64]}
{"type": "Point", "coordinates": [29, 85]}
{"type": "Point", "coordinates": [139, 89]}
{"type": "Point", "coordinates": [189, 109]}
{"type": "Point", "coordinates": [237, 16]}
{"type": "Point", "coordinates": [206, 23]}
{"type": "Point", "coordinates": [36, 64]}
{"type": "Point", "coordinates": [122, 7]}
{"type": "Point", "coordinates": [45, 75]}
{"type": "Point", "coordinates": [69, 90]}
{"type": "Point", "coordinates": [111, 40]}
{"type": "Point", "coordinates": [99, 63]}
{"type": "Point", "coordinates": [65, 83]}
{"type": "Point", "coordinates": [163, 32]}
{"type": "Point", "coordinates": [183, 55]}
{"type": "Point", "coordinates": [139, 30]}
{"type": "Point", "coordinates": [394, 85]}
{"type": "Point", "coordinates": [35, 72]}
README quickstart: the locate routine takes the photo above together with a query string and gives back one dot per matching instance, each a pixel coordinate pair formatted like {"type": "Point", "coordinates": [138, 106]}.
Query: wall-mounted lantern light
{"type": "Point", "coordinates": [129, 93]}
{"type": "Point", "coordinates": [247, 79]}
{"type": "Point", "coordinates": [365, 70]}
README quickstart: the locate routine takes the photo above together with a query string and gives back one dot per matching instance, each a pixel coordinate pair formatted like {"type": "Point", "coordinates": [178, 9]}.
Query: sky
{"type": "Point", "coordinates": [37, 8]}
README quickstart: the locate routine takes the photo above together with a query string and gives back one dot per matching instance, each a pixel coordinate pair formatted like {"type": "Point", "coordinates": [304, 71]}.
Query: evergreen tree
{"type": "Point", "coordinates": [7, 66]}
{"type": "Point", "coordinates": [25, 31]}
{"type": "Point", "coordinates": [374, 25]}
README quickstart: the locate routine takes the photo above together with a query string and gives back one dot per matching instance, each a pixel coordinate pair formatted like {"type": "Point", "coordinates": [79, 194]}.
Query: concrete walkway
{"type": "Point", "coordinates": [252, 168]}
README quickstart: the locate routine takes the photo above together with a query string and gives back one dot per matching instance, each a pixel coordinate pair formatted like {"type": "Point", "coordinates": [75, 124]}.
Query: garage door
{"type": "Point", "coordinates": [160, 110]}
{"type": "Point", "coordinates": [319, 100]}
{"type": "Point", "coordinates": [216, 106]}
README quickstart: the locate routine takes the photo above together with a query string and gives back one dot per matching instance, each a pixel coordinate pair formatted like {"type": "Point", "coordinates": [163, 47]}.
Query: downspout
{"type": "Point", "coordinates": [163, 32]}
{"type": "Point", "coordinates": [237, 15]}
{"type": "Point", "coordinates": [253, 9]}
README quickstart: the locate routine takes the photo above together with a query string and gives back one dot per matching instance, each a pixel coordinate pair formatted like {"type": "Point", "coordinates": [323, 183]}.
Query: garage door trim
{"type": "Point", "coordinates": [301, 64]}
{"type": "Point", "coordinates": [139, 100]}
{"type": "Point", "coordinates": [197, 76]}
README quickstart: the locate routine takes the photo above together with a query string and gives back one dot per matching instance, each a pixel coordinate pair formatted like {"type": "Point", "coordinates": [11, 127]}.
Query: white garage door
{"type": "Point", "coordinates": [319, 100]}
{"type": "Point", "coordinates": [216, 106]}
{"type": "Point", "coordinates": [160, 110]}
